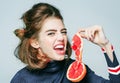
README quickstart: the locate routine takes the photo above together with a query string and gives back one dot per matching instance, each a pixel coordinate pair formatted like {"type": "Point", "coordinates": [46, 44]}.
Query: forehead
{"type": "Point", "coordinates": [52, 23]}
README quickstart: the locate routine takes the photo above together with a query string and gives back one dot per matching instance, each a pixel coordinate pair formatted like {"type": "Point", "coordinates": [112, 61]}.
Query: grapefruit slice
{"type": "Point", "coordinates": [77, 46]}
{"type": "Point", "coordinates": [77, 70]}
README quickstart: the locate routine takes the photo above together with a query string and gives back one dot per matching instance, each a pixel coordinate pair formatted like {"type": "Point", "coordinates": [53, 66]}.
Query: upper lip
{"type": "Point", "coordinates": [59, 46]}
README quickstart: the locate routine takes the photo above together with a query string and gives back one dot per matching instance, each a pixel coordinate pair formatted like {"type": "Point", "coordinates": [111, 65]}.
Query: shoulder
{"type": "Point", "coordinates": [19, 76]}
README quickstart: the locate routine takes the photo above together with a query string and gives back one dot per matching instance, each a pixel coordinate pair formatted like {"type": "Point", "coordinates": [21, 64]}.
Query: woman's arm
{"type": "Point", "coordinates": [96, 35]}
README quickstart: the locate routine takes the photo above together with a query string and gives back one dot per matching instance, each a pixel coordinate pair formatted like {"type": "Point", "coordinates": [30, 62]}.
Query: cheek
{"type": "Point", "coordinates": [46, 43]}
{"type": "Point", "coordinates": [46, 47]}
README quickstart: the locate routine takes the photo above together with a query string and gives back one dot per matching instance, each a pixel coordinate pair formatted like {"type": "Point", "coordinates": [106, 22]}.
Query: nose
{"type": "Point", "coordinates": [60, 37]}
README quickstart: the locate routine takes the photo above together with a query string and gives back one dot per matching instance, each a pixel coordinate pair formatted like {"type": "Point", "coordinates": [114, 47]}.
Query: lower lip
{"type": "Point", "coordinates": [60, 52]}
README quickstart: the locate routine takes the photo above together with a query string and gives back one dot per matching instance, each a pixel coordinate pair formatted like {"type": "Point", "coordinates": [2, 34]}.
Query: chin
{"type": "Point", "coordinates": [60, 58]}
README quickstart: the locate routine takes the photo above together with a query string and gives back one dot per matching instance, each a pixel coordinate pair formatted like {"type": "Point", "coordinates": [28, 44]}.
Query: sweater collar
{"type": "Point", "coordinates": [54, 66]}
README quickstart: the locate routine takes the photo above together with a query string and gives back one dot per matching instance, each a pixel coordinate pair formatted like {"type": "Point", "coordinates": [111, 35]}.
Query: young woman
{"type": "Point", "coordinates": [44, 46]}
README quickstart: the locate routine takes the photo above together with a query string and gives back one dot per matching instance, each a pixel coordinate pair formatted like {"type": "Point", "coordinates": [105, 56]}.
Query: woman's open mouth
{"type": "Point", "coordinates": [60, 49]}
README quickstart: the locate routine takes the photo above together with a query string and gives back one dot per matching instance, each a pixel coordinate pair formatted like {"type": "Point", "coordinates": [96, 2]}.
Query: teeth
{"type": "Point", "coordinates": [59, 46]}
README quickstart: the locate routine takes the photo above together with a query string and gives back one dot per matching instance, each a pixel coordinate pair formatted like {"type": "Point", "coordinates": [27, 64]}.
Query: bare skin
{"type": "Point", "coordinates": [96, 35]}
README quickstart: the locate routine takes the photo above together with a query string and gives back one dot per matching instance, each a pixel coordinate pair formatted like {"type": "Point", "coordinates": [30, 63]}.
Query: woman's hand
{"type": "Point", "coordinates": [95, 34]}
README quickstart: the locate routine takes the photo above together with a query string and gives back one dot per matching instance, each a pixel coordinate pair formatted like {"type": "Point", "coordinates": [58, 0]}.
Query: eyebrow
{"type": "Point", "coordinates": [55, 30]}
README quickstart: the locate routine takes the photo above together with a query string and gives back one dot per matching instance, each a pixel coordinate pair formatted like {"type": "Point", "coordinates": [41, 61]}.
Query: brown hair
{"type": "Point", "coordinates": [33, 20]}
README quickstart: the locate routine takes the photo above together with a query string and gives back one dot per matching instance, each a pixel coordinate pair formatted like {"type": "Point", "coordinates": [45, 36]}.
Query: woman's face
{"type": "Point", "coordinates": [53, 39]}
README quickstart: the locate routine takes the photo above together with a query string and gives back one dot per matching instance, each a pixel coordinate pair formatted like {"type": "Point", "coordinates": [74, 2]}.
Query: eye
{"type": "Point", "coordinates": [64, 32]}
{"type": "Point", "coordinates": [51, 33]}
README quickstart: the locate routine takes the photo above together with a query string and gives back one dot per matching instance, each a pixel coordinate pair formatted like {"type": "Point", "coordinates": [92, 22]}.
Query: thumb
{"type": "Point", "coordinates": [82, 32]}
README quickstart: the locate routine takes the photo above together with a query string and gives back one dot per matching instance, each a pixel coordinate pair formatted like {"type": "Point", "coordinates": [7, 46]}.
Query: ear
{"type": "Point", "coordinates": [34, 43]}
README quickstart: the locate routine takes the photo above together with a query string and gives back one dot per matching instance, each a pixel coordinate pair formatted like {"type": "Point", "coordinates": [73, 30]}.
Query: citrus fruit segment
{"type": "Point", "coordinates": [77, 46]}
{"type": "Point", "coordinates": [77, 70]}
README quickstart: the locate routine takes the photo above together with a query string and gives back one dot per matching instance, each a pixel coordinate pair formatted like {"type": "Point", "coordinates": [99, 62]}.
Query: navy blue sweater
{"type": "Point", "coordinates": [55, 72]}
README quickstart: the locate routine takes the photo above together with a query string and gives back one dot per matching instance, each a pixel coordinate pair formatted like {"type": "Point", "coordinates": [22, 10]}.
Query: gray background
{"type": "Point", "coordinates": [76, 13]}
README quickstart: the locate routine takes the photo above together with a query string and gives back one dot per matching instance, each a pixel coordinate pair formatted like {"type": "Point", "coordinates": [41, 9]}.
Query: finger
{"type": "Point", "coordinates": [82, 32]}
{"type": "Point", "coordinates": [93, 33]}
{"type": "Point", "coordinates": [87, 34]}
